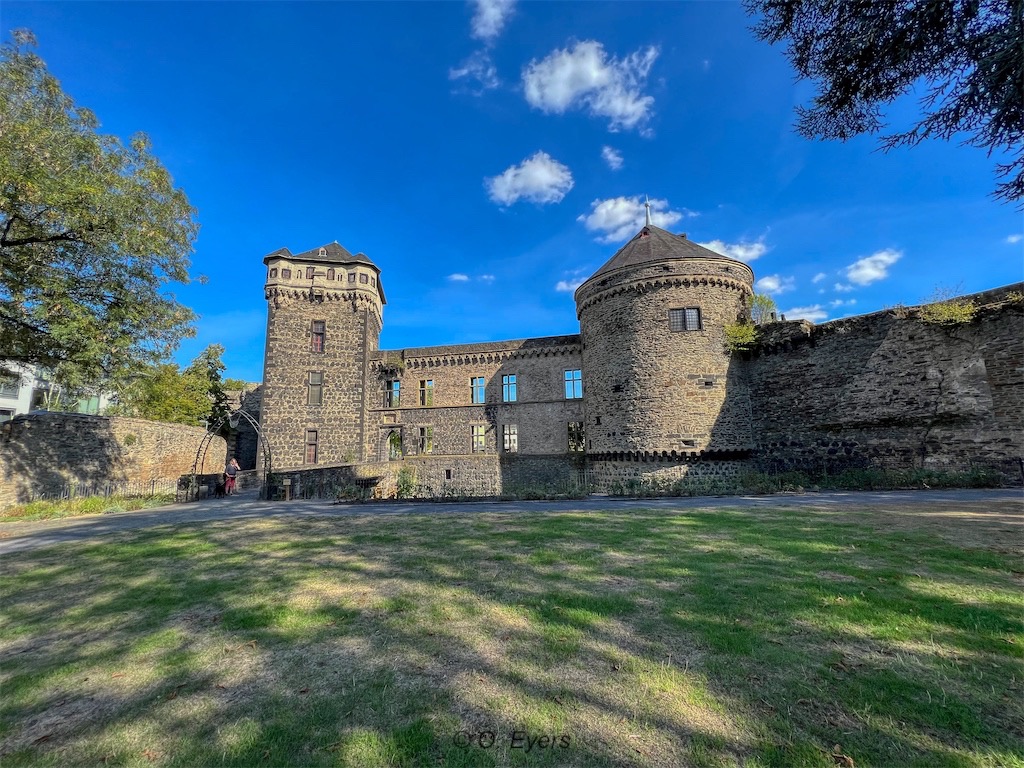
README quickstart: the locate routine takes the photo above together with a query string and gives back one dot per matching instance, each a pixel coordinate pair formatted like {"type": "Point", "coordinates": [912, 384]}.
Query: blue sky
{"type": "Point", "coordinates": [488, 156]}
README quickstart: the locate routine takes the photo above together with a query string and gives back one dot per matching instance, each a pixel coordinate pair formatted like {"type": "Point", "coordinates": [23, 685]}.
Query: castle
{"type": "Point", "coordinates": [647, 389]}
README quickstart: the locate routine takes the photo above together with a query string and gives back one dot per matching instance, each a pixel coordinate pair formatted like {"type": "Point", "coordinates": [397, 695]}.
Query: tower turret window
{"type": "Point", "coordinates": [273, 272]}
{"type": "Point", "coordinates": [315, 388]}
{"type": "Point", "coordinates": [286, 274]}
{"type": "Point", "coordinates": [687, 319]}
{"type": "Point", "coordinates": [317, 335]}
{"type": "Point", "coordinates": [364, 278]}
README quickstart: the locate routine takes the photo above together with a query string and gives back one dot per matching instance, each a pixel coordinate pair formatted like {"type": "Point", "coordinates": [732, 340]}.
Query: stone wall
{"type": "Point", "coordinates": [889, 390]}
{"type": "Point", "coordinates": [477, 475]}
{"type": "Point", "coordinates": [41, 453]}
{"type": "Point", "coordinates": [541, 413]}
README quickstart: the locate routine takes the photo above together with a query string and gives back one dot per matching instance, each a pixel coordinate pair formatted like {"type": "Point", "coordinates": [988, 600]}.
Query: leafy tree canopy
{"type": "Point", "coordinates": [967, 55]}
{"type": "Point", "coordinates": [163, 392]}
{"type": "Point", "coordinates": [762, 307]}
{"type": "Point", "coordinates": [91, 233]}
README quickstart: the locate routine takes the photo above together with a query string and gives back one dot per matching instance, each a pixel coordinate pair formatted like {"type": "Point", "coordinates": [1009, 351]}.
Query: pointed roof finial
{"type": "Point", "coordinates": [647, 205]}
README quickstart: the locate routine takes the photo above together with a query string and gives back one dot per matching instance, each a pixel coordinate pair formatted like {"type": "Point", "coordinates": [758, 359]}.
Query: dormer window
{"type": "Point", "coordinates": [322, 252]}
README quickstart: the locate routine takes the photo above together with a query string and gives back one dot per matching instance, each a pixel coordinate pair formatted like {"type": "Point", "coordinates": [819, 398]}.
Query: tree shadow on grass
{"type": "Point", "coordinates": [647, 639]}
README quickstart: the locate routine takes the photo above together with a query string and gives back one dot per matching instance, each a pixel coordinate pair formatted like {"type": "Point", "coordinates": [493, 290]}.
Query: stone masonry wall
{"type": "Point", "coordinates": [541, 412]}
{"type": "Point", "coordinates": [41, 453]}
{"type": "Point", "coordinates": [887, 391]}
{"type": "Point", "coordinates": [439, 477]}
{"type": "Point", "coordinates": [352, 329]}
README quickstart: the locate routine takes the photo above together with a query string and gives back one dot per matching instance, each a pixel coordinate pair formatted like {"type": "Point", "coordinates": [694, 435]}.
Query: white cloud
{"type": "Point", "coordinates": [612, 156]}
{"type": "Point", "coordinates": [477, 67]}
{"type": "Point", "coordinates": [568, 286]}
{"type": "Point", "coordinates": [745, 252]}
{"type": "Point", "coordinates": [458, 277]}
{"type": "Point", "coordinates": [539, 179]}
{"type": "Point", "coordinates": [486, 278]}
{"type": "Point", "coordinates": [489, 18]}
{"type": "Point", "coordinates": [842, 288]}
{"type": "Point", "coordinates": [619, 218]}
{"type": "Point", "coordinates": [1014, 239]}
{"type": "Point", "coordinates": [586, 77]}
{"type": "Point", "coordinates": [842, 303]}
{"type": "Point", "coordinates": [818, 278]}
{"type": "Point", "coordinates": [872, 268]}
{"type": "Point", "coordinates": [815, 313]}
{"type": "Point", "coordinates": [775, 284]}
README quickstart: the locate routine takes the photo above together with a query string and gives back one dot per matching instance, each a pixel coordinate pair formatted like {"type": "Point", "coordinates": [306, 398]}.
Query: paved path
{"type": "Point", "coordinates": [17, 537]}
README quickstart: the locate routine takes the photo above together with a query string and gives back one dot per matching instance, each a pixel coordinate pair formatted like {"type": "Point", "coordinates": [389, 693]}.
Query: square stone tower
{"type": "Point", "coordinates": [324, 317]}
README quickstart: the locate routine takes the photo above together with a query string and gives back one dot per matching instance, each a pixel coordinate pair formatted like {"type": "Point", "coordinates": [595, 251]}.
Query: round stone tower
{"type": "Point", "coordinates": [663, 396]}
{"type": "Point", "coordinates": [324, 317]}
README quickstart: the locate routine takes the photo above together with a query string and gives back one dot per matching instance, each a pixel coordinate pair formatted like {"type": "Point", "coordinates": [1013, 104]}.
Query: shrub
{"type": "Point", "coordinates": [406, 483]}
{"type": "Point", "coordinates": [949, 312]}
{"type": "Point", "coordinates": [740, 337]}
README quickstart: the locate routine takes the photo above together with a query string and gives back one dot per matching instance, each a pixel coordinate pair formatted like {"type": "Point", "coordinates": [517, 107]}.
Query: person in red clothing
{"type": "Point", "coordinates": [231, 470]}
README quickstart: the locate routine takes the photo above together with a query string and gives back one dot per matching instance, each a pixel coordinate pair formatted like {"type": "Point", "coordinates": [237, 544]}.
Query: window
{"type": "Point", "coordinates": [426, 392]}
{"type": "Point", "coordinates": [363, 278]}
{"type": "Point", "coordinates": [317, 332]}
{"type": "Point", "coordinates": [6, 414]}
{"type": "Point", "coordinates": [508, 388]}
{"type": "Point", "coordinates": [392, 393]}
{"type": "Point", "coordinates": [330, 273]}
{"type": "Point", "coordinates": [286, 274]}
{"type": "Point", "coordinates": [575, 436]}
{"type": "Point", "coordinates": [573, 385]}
{"type": "Point", "coordinates": [479, 441]}
{"type": "Point", "coordinates": [476, 385]}
{"type": "Point", "coordinates": [273, 272]}
{"type": "Point", "coordinates": [351, 277]}
{"type": "Point", "coordinates": [510, 437]}
{"type": "Point", "coordinates": [9, 386]}
{"type": "Point", "coordinates": [426, 439]}
{"type": "Point", "coordinates": [373, 281]}
{"type": "Point", "coordinates": [315, 388]}
{"type": "Point", "coordinates": [309, 273]}
{"type": "Point", "coordinates": [311, 441]}
{"type": "Point", "coordinates": [684, 319]}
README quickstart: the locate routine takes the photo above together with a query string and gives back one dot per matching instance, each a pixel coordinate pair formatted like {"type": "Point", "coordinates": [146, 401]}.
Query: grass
{"type": "Point", "coordinates": [83, 505]}
{"type": "Point", "coordinates": [775, 637]}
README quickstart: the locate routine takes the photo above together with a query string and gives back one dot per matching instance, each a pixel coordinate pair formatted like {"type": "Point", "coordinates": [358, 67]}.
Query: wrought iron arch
{"type": "Point", "coordinates": [204, 445]}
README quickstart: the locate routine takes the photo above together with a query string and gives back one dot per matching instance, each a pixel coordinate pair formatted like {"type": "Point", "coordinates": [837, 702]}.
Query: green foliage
{"type": "Point", "coordinates": [235, 385]}
{"type": "Point", "coordinates": [762, 307]}
{"type": "Point", "coordinates": [91, 233]}
{"type": "Point", "coordinates": [946, 307]}
{"type": "Point", "coordinates": [166, 393]}
{"type": "Point", "coordinates": [406, 483]}
{"type": "Point", "coordinates": [82, 505]}
{"type": "Point", "coordinates": [740, 337]}
{"type": "Point", "coordinates": [965, 57]}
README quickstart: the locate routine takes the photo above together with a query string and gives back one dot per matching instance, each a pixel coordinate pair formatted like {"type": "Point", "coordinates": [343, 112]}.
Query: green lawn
{"type": "Point", "coordinates": [718, 637]}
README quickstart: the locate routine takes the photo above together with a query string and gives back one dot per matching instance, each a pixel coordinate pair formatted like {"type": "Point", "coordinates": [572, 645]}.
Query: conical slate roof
{"type": "Point", "coordinates": [333, 253]}
{"type": "Point", "coordinates": [655, 244]}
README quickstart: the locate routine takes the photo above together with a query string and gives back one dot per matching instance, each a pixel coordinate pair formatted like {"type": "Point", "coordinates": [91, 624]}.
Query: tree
{"type": "Point", "coordinates": [91, 233]}
{"type": "Point", "coordinates": [762, 309]}
{"type": "Point", "coordinates": [165, 393]}
{"type": "Point", "coordinates": [967, 55]}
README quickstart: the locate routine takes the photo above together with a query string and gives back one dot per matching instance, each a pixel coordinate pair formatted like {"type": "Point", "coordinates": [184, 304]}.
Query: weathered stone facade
{"type": "Point", "coordinates": [664, 399]}
{"type": "Point", "coordinates": [42, 453]}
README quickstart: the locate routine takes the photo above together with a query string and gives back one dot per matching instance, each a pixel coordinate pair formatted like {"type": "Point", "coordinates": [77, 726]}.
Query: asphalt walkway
{"type": "Point", "coordinates": [17, 537]}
